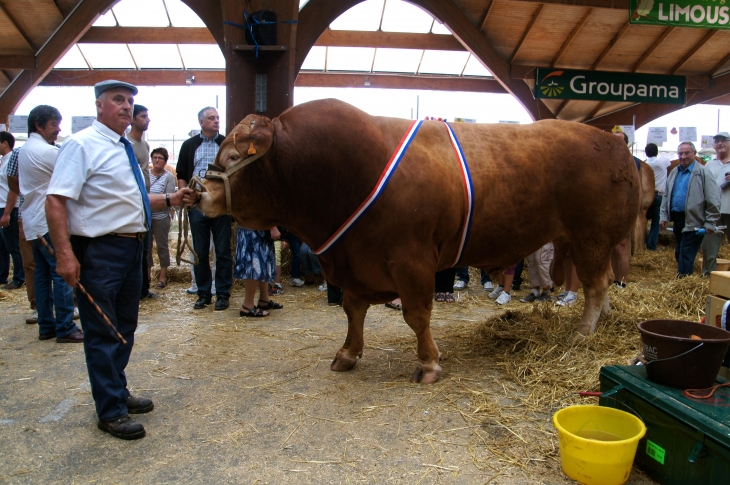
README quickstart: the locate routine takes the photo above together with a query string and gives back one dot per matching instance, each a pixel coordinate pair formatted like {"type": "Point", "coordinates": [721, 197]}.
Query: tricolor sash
{"type": "Point", "coordinates": [390, 168]}
{"type": "Point", "coordinates": [468, 189]}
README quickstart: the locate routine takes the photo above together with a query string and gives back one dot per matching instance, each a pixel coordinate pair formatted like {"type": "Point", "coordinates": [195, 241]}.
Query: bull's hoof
{"type": "Point", "coordinates": [343, 362]}
{"type": "Point", "coordinates": [426, 376]}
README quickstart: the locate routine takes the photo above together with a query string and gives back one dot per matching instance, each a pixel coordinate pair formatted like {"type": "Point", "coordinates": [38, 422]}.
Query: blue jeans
{"type": "Point", "coordinates": [309, 261]}
{"type": "Point", "coordinates": [4, 262]}
{"type": "Point", "coordinates": [687, 245]}
{"type": "Point", "coordinates": [201, 227]}
{"type": "Point", "coordinates": [653, 214]}
{"type": "Point", "coordinates": [51, 291]}
{"type": "Point", "coordinates": [295, 246]}
{"type": "Point", "coordinates": [462, 274]}
{"type": "Point", "coordinates": [111, 271]}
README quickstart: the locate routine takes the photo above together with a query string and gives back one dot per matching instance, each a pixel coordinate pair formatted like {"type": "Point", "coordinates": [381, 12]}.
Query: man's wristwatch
{"type": "Point", "coordinates": [167, 199]}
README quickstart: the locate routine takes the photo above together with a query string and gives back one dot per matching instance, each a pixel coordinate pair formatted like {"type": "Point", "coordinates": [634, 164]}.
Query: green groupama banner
{"type": "Point", "coordinates": [609, 86]}
{"type": "Point", "coordinates": [706, 14]}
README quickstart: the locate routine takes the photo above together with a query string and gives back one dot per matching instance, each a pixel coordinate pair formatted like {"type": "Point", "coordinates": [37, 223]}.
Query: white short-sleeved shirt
{"type": "Point", "coordinates": [36, 162]}
{"type": "Point", "coordinates": [660, 172]}
{"type": "Point", "coordinates": [94, 172]}
{"type": "Point", "coordinates": [718, 170]}
{"type": "Point", "coordinates": [4, 187]}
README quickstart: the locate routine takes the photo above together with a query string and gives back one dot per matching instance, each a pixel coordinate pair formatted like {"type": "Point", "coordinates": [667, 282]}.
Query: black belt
{"type": "Point", "coordinates": [659, 193]}
{"type": "Point", "coordinates": [139, 236]}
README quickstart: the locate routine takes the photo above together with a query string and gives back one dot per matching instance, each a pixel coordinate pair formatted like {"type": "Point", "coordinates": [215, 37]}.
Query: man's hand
{"type": "Point", "coordinates": [5, 219]}
{"type": "Point", "coordinates": [187, 196]}
{"type": "Point", "coordinates": [709, 231]}
{"type": "Point", "coordinates": [275, 234]}
{"type": "Point", "coordinates": [663, 224]}
{"type": "Point", "coordinates": [68, 267]}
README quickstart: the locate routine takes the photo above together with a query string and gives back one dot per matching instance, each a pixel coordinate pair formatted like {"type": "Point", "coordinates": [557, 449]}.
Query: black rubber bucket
{"type": "Point", "coordinates": [675, 359]}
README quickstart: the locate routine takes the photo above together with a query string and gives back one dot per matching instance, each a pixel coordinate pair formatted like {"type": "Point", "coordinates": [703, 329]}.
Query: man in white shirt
{"type": "Point", "coordinates": [9, 211]}
{"type": "Point", "coordinates": [720, 169]}
{"type": "Point", "coordinates": [98, 197]}
{"type": "Point", "coordinates": [660, 183]}
{"type": "Point", "coordinates": [36, 163]}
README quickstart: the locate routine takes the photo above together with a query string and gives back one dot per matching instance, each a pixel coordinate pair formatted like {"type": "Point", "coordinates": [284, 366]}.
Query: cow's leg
{"type": "Point", "coordinates": [351, 350]}
{"type": "Point", "coordinates": [594, 270]}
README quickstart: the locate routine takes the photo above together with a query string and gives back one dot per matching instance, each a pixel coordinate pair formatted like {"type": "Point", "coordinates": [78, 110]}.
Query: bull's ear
{"type": "Point", "coordinates": [259, 137]}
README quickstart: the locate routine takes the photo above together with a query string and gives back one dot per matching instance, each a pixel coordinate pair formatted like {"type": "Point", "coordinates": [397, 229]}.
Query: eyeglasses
{"type": "Point", "coordinates": [685, 153]}
{"type": "Point", "coordinates": [158, 158]}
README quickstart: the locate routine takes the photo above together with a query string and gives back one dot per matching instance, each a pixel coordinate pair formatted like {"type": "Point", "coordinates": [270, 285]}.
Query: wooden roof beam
{"type": "Point", "coordinates": [651, 49]}
{"type": "Point", "coordinates": [534, 18]}
{"type": "Point", "coordinates": [147, 35]}
{"type": "Point", "coordinates": [168, 77]}
{"type": "Point", "coordinates": [17, 62]}
{"type": "Point", "coordinates": [17, 27]}
{"type": "Point", "coordinates": [486, 15]}
{"type": "Point", "coordinates": [716, 70]}
{"type": "Point", "coordinates": [571, 37]}
{"type": "Point", "coordinates": [561, 107]}
{"type": "Point", "coordinates": [395, 40]}
{"type": "Point", "coordinates": [595, 111]}
{"type": "Point", "coordinates": [610, 46]}
{"type": "Point", "coordinates": [709, 35]}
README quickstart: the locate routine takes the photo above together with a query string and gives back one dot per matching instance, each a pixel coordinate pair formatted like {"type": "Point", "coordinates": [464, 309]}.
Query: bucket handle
{"type": "Point", "coordinates": [676, 356]}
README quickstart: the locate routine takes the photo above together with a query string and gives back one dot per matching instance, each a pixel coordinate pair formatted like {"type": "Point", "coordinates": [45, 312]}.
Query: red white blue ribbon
{"type": "Point", "coordinates": [377, 190]}
{"type": "Point", "coordinates": [468, 189]}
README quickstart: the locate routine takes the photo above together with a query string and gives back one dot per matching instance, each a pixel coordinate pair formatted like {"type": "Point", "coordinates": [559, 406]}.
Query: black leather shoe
{"type": "Point", "coordinates": [221, 303]}
{"type": "Point", "coordinates": [73, 338]}
{"type": "Point", "coordinates": [139, 405]}
{"type": "Point", "coordinates": [202, 301]}
{"type": "Point", "coordinates": [125, 428]}
{"type": "Point", "coordinates": [47, 336]}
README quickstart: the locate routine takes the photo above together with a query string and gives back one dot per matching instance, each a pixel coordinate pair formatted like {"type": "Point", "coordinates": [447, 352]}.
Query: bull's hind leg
{"type": "Point", "coordinates": [593, 264]}
{"type": "Point", "coordinates": [351, 350]}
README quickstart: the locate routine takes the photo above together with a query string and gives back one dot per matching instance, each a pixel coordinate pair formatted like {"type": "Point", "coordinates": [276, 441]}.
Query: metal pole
{"type": "Point", "coordinates": [418, 98]}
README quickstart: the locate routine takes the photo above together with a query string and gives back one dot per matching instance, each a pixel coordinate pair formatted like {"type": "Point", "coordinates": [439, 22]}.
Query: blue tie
{"type": "Point", "coordinates": [140, 181]}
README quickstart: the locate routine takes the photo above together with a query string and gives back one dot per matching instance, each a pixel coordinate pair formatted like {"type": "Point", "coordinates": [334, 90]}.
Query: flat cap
{"type": "Point", "coordinates": [722, 134]}
{"type": "Point", "coordinates": [111, 84]}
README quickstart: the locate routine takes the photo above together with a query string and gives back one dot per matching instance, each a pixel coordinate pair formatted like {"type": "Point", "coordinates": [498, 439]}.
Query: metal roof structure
{"type": "Point", "coordinates": [457, 45]}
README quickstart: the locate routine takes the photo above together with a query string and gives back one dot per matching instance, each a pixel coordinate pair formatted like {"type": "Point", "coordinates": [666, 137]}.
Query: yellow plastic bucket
{"type": "Point", "coordinates": [597, 444]}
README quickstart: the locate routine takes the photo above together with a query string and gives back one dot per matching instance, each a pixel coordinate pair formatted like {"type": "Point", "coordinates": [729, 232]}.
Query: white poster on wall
{"type": "Point", "coordinates": [707, 141]}
{"type": "Point", "coordinates": [630, 132]}
{"type": "Point", "coordinates": [687, 133]}
{"type": "Point", "coordinates": [3, 127]}
{"type": "Point", "coordinates": [657, 135]}
{"type": "Point", "coordinates": [79, 123]}
{"type": "Point", "coordinates": [18, 123]}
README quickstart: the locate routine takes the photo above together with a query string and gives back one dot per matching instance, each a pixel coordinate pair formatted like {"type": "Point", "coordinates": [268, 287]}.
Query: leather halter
{"type": "Point", "coordinates": [215, 172]}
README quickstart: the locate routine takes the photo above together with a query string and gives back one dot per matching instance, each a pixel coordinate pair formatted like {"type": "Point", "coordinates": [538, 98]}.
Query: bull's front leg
{"type": "Point", "coordinates": [417, 304]}
{"type": "Point", "coordinates": [351, 350]}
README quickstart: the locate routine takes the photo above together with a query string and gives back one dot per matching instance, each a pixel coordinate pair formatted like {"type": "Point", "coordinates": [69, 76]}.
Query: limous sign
{"type": "Point", "coordinates": [705, 14]}
{"type": "Point", "coordinates": [609, 86]}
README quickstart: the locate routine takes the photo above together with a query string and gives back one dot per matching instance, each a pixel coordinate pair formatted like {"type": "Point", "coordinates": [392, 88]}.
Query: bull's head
{"type": "Point", "coordinates": [248, 141]}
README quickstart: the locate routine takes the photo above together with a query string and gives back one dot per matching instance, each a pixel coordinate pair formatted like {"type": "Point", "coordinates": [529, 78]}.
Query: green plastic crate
{"type": "Point", "coordinates": [687, 441]}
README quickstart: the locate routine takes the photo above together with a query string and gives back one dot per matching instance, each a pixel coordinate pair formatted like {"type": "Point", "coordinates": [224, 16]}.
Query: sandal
{"type": "Point", "coordinates": [252, 312]}
{"type": "Point", "coordinates": [269, 305]}
{"type": "Point", "coordinates": [161, 284]}
{"type": "Point", "coordinates": [394, 306]}
{"type": "Point", "coordinates": [440, 297]}
{"type": "Point", "coordinates": [449, 298]}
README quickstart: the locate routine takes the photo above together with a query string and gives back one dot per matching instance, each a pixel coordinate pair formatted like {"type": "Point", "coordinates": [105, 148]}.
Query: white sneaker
{"type": "Point", "coordinates": [488, 286]}
{"type": "Point", "coordinates": [76, 314]}
{"type": "Point", "coordinates": [496, 292]}
{"type": "Point", "coordinates": [568, 300]}
{"type": "Point", "coordinates": [193, 290]}
{"type": "Point", "coordinates": [504, 298]}
{"type": "Point", "coordinates": [33, 318]}
{"type": "Point", "coordinates": [459, 285]}
{"type": "Point", "coordinates": [322, 287]}
{"type": "Point", "coordinates": [296, 282]}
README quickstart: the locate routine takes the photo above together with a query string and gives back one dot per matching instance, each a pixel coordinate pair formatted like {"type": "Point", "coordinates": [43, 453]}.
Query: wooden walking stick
{"type": "Point", "coordinates": [83, 290]}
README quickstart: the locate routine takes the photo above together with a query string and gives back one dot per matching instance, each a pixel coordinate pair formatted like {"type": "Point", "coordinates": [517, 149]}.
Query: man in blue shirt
{"type": "Point", "coordinates": [692, 202]}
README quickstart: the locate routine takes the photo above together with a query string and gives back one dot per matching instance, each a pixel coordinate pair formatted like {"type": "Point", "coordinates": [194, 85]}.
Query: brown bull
{"type": "Point", "coordinates": [532, 184]}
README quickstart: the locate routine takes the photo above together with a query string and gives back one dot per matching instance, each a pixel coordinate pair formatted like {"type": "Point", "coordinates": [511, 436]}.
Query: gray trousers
{"type": "Point", "coordinates": [711, 246]}
{"type": "Point", "coordinates": [160, 238]}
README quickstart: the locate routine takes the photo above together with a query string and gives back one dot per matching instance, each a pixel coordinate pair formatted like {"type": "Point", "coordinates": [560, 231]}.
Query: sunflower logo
{"type": "Point", "coordinates": [553, 88]}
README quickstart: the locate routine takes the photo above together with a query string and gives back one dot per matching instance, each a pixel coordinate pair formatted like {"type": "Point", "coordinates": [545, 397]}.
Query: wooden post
{"type": "Point", "coordinates": [276, 63]}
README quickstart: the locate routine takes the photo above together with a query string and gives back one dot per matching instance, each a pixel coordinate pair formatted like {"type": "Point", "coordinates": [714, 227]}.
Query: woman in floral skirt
{"type": "Point", "coordinates": [256, 264]}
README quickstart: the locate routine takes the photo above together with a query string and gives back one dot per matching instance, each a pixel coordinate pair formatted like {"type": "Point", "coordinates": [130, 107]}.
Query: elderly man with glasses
{"type": "Point", "coordinates": [720, 169]}
{"type": "Point", "coordinates": [692, 202]}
